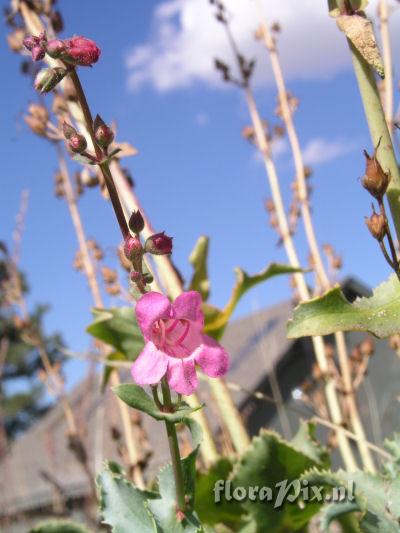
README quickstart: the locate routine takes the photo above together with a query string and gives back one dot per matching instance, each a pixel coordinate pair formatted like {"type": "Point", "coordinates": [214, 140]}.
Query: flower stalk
{"type": "Point", "coordinates": [174, 450]}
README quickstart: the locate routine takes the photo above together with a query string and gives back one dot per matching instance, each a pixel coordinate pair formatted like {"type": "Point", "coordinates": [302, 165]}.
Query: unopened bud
{"type": "Point", "coordinates": [376, 224]}
{"type": "Point", "coordinates": [38, 53]}
{"type": "Point", "coordinates": [48, 78]}
{"type": "Point", "coordinates": [68, 130]}
{"type": "Point", "coordinates": [77, 143]}
{"type": "Point", "coordinates": [158, 244]}
{"type": "Point", "coordinates": [104, 135]}
{"type": "Point", "coordinates": [375, 180]}
{"type": "Point", "coordinates": [132, 248]}
{"type": "Point", "coordinates": [136, 222]}
{"type": "Point", "coordinates": [55, 48]}
{"type": "Point", "coordinates": [137, 277]}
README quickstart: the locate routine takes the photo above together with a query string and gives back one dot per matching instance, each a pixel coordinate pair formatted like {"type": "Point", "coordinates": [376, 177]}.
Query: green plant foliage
{"type": "Point", "coordinates": [378, 314]}
{"type": "Point", "coordinates": [376, 498]}
{"type": "Point", "coordinates": [209, 512]}
{"type": "Point", "coordinates": [198, 259]}
{"type": "Point", "coordinates": [268, 462]}
{"type": "Point", "coordinates": [137, 398]}
{"type": "Point", "coordinates": [118, 328]}
{"type": "Point", "coordinates": [305, 442]}
{"type": "Point", "coordinates": [216, 319]}
{"type": "Point", "coordinates": [164, 508]}
{"type": "Point", "coordinates": [59, 526]}
{"type": "Point", "coordinates": [339, 512]}
{"type": "Point", "coordinates": [123, 506]}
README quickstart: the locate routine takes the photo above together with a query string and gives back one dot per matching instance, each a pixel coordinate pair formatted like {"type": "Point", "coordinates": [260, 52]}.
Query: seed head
{"type": "Point", "coordinates": [375, 180]}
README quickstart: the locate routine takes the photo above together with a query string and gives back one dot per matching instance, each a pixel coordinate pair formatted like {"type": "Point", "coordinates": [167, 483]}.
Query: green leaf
{"type": "Point", "coordinates": [216, 319]}
{"type": "Point", "coordinates": [336, 511]}
{"type": "Point", "coordinates": [378, 314]}
{"type": "Point", "coordinates": [83, 159]}
{"type": "Point", "coordinates": [272, 462]}
{"type": "Point", "coordinates": [164, 509]}
{"type": "Point", "coordinates": [123, 506]}
{"type": "Point", "coordinates": [211, 512]}
{"type": "Point", "coordinates": [137, 398]}
{"type": "Point", "coordinates": [377, 498]}
{"type": "Point", "coordinates": [59, 526]}
{"type": "Point", "coordinates": [305, 442]}
{"type": "Point", "coordinates": [118, 327]}
{"type": "Point", "coordinates": [198, 258]}
{"type": "Point", "coordinates": [335, 6]}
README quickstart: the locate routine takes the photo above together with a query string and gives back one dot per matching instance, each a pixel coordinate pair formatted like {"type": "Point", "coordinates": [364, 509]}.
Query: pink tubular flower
{"type": "Point", "coordinates": [80, 51]}
{"type": "Point", "coordinates": [175, 343]}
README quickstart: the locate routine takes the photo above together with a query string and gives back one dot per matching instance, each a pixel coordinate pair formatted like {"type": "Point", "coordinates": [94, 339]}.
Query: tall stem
{"type": "Point", "coordinates": [320, 270]}
{"type": "Point", "coordinates": [104, 167]}
{"type": "Point", "coordinates": [378, 130]}
{"type": "Point", "coordinates": [174, 450]}
{"type": "Point", "coordinates": [383, 11]}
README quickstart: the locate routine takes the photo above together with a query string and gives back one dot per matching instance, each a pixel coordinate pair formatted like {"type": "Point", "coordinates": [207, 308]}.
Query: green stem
{"type": "Point", "coordinates": [174, 450]}
{"type": "Point", "coordinates": [379, 131]}
{"type": "Point", "coordinates": [104, 167]}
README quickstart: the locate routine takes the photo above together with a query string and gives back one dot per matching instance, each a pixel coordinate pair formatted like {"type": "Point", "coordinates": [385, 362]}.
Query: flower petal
{"type": "Point", "coordinates": [212, 358]}
{"type": "Point", "coordinates": [188, 305]}
{"type": "Point", "coordinates": [181, 375]}
{"type": "Point", "coordinates": [151, 307]}
{"type": "Point", "coordinates": [150, 366]}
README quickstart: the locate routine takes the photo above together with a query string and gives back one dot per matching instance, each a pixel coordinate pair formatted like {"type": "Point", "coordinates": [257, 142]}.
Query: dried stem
{"type": "Point", "coordinates": [90, 273]}
{"type": "Point", "coordinates": [322, 275]}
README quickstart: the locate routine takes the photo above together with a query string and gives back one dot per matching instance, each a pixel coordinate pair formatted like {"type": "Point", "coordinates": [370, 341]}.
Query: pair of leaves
{"type": "Point", "coordinates": [136, 397]}
{"type": "Point", "coordinates": [359, 30]}
{"type": "Point", "coordinates": [378, 314]}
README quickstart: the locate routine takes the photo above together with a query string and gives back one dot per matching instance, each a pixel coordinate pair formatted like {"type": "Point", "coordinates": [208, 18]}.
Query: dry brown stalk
{"type": "Point", "coordinates": [90, 273]}
{"type": "Point", "coordinates": [319, 267]}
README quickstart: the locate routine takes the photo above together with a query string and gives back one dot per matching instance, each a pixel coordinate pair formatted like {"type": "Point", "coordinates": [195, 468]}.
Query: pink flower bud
{"type": "Point", "coordinates": [158, 244]}
{"type": "Point", "coordinates": [38, 53]}
{"type": "Point", "coordinates": [132, 248]}
{"type": "Point", "coordinates": [81, 51]}
{"type": "Point", "coordinates": [36, 45]}
{"type": "Point", "coordinates": [77, 143]}
{"type": "Point", "coordinates": [104, 135]}
{"type": "Point", "coordinates": [55, 48]}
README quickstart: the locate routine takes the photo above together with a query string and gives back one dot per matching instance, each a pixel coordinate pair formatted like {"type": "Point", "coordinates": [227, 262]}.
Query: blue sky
{"type": "Point", "coordinates": [194, 173]}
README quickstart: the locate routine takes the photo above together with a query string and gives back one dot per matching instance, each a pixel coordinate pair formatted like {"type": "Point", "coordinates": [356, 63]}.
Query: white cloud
{"type": "Point", "coordinates": [319, 151]}
{"type": "Point", "coordinates": [185, 38]}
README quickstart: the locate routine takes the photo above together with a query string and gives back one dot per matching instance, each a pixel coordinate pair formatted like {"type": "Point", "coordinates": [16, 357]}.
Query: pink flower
{"type": "Point", "coordinates": [36, 45]}
{"type": "Point", "coordinates": [80, 51]}
{"type": "Point", "coordinates": [175, 343]}
{"type": "Point", "coordinates": [158, 244]}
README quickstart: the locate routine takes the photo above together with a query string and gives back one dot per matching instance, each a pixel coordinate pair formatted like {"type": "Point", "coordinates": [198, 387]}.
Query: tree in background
{"type": "Point", "coordinates": [23, 347]}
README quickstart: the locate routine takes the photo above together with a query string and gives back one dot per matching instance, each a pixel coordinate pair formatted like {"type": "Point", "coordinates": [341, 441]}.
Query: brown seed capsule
{"type": "Point", "coordinates": [375, 180]}
{"type": "Point", "coordinates": [367, 347]}
{"type": "Point", "coordinates": [376, 224]}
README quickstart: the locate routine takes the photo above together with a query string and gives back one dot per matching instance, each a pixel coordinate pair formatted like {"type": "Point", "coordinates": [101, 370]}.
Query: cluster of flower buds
{"type": "Point", "coordinates": [76, 142]}
{"type": "Point", "coordinates": [157, 244]}
{"type": "Point", "coordinates": [77, 51]}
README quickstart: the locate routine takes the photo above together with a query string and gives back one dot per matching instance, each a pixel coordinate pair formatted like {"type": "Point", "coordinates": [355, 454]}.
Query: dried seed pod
{"type": "Point", "coordinates": [109, 275]}
{"type": "Point", "coordinates": [113, 290]}
{"type": "Point", "coordinates": [375, 180]}
{"type": "Point", "coordinates": [376, 224]}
